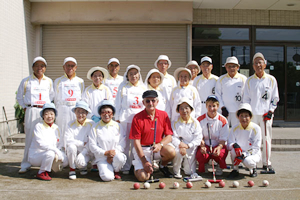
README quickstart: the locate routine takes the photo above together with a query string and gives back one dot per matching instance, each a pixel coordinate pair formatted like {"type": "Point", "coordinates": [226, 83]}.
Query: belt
{"type": "Point", "coordinates": [36, 106]}
{"type": "Point", "coordinates": [69, 103]}
{"type": "Point", "coordinates": [146, 145]}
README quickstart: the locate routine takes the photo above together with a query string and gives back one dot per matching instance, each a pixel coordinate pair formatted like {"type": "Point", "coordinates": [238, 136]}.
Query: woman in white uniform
{"type": "Point", "coordinates": [129, 102]}
{"type": "Point", "coordinates": [187, 136]}
{"type": "Point", "coordinates": [97, 91]}
{"type": "Point", "coordinates": [154, 81]}
{"type": "Point", "coordinates": [43, 150]}
{"type": "Point", "coordinates": [194, 67]}
{"type": "Point", "coordinates": [76, 137]}
{"type": "Point", "coordinates": [107, 143]}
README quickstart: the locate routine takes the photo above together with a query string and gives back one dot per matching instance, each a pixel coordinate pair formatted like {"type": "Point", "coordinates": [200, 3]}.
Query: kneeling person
{"type": "Point", "coordinates": [244, 142]}
{"type": "Point", "coordinates": [76, 138]}
{"type": "Point", "coordinates": [142, 133]}
{"type": "Point", "coordinates": [107, 143]}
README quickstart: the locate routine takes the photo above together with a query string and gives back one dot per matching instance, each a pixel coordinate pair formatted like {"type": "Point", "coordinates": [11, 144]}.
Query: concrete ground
{"type": "Point", "coordinates": [283, 185]}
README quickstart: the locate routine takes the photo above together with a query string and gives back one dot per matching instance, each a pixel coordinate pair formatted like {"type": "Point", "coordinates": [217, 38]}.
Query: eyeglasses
{"type": "Point", "coordinates": [153, 101]}
{"type": "Point", "coordinates": [106, 112]}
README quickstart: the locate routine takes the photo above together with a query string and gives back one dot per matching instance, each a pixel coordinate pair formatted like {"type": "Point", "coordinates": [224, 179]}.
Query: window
{"type": "Point", "coordinates": [220, 33]}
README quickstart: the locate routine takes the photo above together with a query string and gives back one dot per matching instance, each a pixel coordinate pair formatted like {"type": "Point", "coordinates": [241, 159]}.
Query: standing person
{"type": "Point", "coordinates": [244, 142]}
{"type": "Point", "coordinates": [215, 132]}
{"type": "Point", "coordinates": [96, 92]}
{"type": "Point", "coordinates": [186, 139]}
{"type": "Point", "coordinates": [107, 143]}
{"type": "Point", "coordinates": [45, 148]}
{"type": "Point", "coordinates": [205, 83]}
{"type": "Point", "coordinates": [154, 81]}
{"type": "Point", "coordinates": [184, 89]}
{"type": "Point", "coordinates": [229, 90]}
{"type": "Point", "coordinates": [142, 134]}
{"type": "Point", "coordinates": [194, 67]}
{"type": "Point", "coordinates": [33, 92]}
{"type": "Point", "coordinates": [114, 79]}
{"type": "Point", "coordinates": [163, 63]}
{"type": "Point", "coordinates": [68, 89]}
{"type": "Point", "coordinates": [261, 92]}
{"type": "Point", "coordinates": [76, 138]}
{"type": "Point", "coordinates": [128, 103]}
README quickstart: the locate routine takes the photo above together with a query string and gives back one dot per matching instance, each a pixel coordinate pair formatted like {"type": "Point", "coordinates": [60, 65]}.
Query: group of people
{"type": "Point", "coordinates": [120, 121]}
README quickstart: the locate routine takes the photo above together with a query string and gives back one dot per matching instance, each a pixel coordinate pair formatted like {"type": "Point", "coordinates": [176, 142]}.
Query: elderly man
{"type": "Point", "coordinates": [194, 67]}
{"type": "Point", "coordinates": [34, 91]}
{"type": "Point", "coordinates": [163, 63]}
{"type": "Point", "coordinates": [205, 84]}
{"type": "Point", "coordinates": [261, 92]}
{"type": "Point", "coordinates": [229, 90]}
{"type": "Point", "coordinates": [114, 80]}
{"type": "Point", "coordinates": [68, 89]}
{"type": "Point", "coordinates": [143, 132]}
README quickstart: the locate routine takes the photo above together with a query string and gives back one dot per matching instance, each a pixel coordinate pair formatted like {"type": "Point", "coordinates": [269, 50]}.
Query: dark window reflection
{"type": "Point", "coordinates": [278, 34]}
{"type": "Point", "coordinates": [221, 33]}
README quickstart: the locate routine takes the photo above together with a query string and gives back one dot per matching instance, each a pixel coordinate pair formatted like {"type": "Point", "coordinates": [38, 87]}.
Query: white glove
{"type": "Point", "coordinates": [80, 161]}
{"type": "Point", "coordinates": [59, 154]}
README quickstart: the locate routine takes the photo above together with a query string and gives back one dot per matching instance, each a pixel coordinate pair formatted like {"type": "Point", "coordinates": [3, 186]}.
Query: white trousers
{"type": "Point", "coordinates": [266, 137]}
{"type": "Point", "coordinates": [44, 160]}
{"type": "Point", "coordinates": [64, 116]}
{"type": "Point", "coordinates": [32, 117]}
{"type": "Point", "coordinates": [76, 158]}
{"type": "Point", "coordinates": [137, 163]}
{"type": "Point", "coordinates": [189, 164]}
{"type": "Point", "coordinates": [106, 170]}
{"type": "Point", "coordinates": [232, 119]}
{"type": "Point", "coordinates": [249, 162]}
{"type": "Point", "coordinates": [129, 146]}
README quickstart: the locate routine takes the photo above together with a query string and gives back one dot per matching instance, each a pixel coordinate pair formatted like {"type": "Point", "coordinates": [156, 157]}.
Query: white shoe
{"type": "Point", "coordinates": [72, 175]}
{"type": "Point", "coordinates": [23, 170]}
{"type": "Point", "coordinates": [126, 172]}
{"type": "Point", "coordinates": [178, 176]}
{"type": "Point", "coordinates": [83, 172]}
{"type": "Point", "coordinates": [219, 171]}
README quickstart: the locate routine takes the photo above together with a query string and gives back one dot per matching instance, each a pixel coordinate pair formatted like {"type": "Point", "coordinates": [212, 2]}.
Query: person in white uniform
{"type": "Point", "coordinates": [33, 92]}
{"type": "Point", "coordinates": [45, 149]}
{"type": "Point", "coordinates": [97, 91]}
{"type": "Point", "coordinates": [76, 137]}
{"type": "Point", "coordinates": [68, 90]}
{"type": "Point", "coordinates": [114, 80]}
{"type": "Point", "coordinates": [244, 142]}
{"type": "Point", "coordinates": [205, 83]}
{"type": "Point", "coordinates": [194, 67]}
{"type": "Point", "coordinates": [163, 63]}
{"type": "Point", "coordinates": [184, 89]}
{"type": "Point", "coordinates": [229, 90]}
{"type": "Point", "coordinates": [107, 143]}
{"type": "Point", "coordinates": [187, 136]}
{"type": "Point", "coordinates": [154, 81]}
{"type": "Point", "coordinates": [261, 92]}
{"type": "Point", "coordinates": [129, 102]}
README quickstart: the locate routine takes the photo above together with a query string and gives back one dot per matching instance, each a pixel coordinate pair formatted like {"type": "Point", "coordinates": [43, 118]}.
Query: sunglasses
{"type": "Point", "coordinates": [153, 101]}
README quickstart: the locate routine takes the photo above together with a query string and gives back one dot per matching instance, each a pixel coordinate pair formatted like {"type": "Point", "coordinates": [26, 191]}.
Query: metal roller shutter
{"type": "Point", "coordinates": [93, 45]}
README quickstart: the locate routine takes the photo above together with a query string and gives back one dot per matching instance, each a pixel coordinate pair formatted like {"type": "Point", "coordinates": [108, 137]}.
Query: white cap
{"type": "Point", "coordinates": [132, 67]}
{"type": "Point", "coordinates": [39, 58]}
{"type": "Point", "coordinates": [113, 60]}
{"type": "Point", "coordinates": [232, 60]}
{"type": "Point", "coordinates": [258, 55]}
{"type": "Point", "coordinates": [163, 57]}
{"type": "Point", "coordinates": [180, 69]}
{"type": "Point", "coordinates": [70, 59]}
{"type": "Point", "coordinates": [93, 69]}
{"type": "Point", "coordinates": [184, 100]}
{"type": "Point", "coordinates": [244, 106]}
{"type": "Point", "coordinates": [83, 105]}
{"type": "Point", "coordinates": [152, 71]}
{"type": "Point", "coordinates": [206, 59]}
{"type": "Point", "coordinates": [193, 62]}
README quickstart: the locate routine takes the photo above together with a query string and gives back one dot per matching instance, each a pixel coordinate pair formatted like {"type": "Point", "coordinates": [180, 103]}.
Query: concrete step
{"type": "Point", "coordinates": [286, 141]}
{"type": "Point", "coordinates": [13, 146]}
{"type": "Point", "coordinates": [18, 138]}
{"type": "Point", "coordinates": [288, 147]}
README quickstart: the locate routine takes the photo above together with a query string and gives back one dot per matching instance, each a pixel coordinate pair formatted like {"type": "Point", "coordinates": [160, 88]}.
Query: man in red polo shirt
{"type": "Point", "coordinates": [142, 132]}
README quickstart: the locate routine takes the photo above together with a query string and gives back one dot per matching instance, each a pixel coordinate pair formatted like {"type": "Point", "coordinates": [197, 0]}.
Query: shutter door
{"type": "Point", "coordinates": [94, 45]}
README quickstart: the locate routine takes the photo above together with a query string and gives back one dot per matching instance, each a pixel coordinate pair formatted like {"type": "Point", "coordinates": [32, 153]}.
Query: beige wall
{"type": "Point", "coordinates": [111, 12]}
{"type": "Point", "coordinates": [246, 17]}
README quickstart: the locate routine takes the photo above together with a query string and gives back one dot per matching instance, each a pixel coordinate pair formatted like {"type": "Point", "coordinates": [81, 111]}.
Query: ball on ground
{"type": "Point", "coordinates": [265, 183]}
{"type": "Point", "coordinates": [222, 184]}
{"type": "Point", "coordinates": [136, 186]}
{"type": "Point", "coordinates": [235, 184]}
{"type": "Point", "coordinates": [175, 185]}
{"type": "Point", "coordinates": [146, 185]}
{"type": "Point", "coordinates": [162, 185]}
{"type": "Point", "coordinates": [189, 184]}
{"type": "Point", "coordinates": [207, 184]}
{"type": "Point", "coordinates": [250, 183]}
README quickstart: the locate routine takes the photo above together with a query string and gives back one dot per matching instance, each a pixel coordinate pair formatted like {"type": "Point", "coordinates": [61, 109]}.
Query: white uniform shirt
{"type": "Point", "coordinates": [169, 83]}
{"type": "Point", "coordinates": [32, 92]}
{"type": "Point", "coordinates": [230, 91]}
{"type": "Point", "coordinates": [105, 137]}
{"type": "Point", "coordinates": [78, 134]}
{"type": "Point", "coordinates": [205, 87]}
{"type": "Point", "coordinates": [67, 91]}
{"type": "Point", "coordinates": [261, 94]}
{"type": "Point", "coordinates": [248, 139]}
{"type": "Point", "coordinates": [45, 138]}
{"type": "Point", "coordinates": [191, 93]}
{"type": "Point", "coordinates": [190, 132]}
{"type": "Point", "coordinates": [163, 103]}
{"type": "Point", "coordinates": [113, 84]}
{"type": "Point", "coordinates": [93, 97]}
{"type": "Point", "coordinates": [218, 129]}
{"type": "Point", "coordinates": [129, 101]}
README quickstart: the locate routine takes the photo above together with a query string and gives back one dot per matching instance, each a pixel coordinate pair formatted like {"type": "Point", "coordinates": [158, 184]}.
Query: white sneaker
{"type": "Point", "coordinates": [72, 175]}
{"type": "Point", "coordinates": [126, 172]}
{"type": "Point", "coordinates": [23, 170]}
{"type": "Point", "coordinates": [83, 172]}
{"type": "Point", "coordinates": [178, 176]}
{"type": "Point", "coordinates": [219, 171]}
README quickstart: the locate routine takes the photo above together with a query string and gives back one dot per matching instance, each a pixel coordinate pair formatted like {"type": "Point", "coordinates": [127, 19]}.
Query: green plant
{"type": "Point", "coordinates": [19, 112]}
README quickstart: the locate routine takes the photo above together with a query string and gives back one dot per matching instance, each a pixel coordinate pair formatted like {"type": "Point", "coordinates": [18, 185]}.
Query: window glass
{"type": "Point", "coordinates": [221, 33]}
{"type": "Point", "coordinates": [278, 34]}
